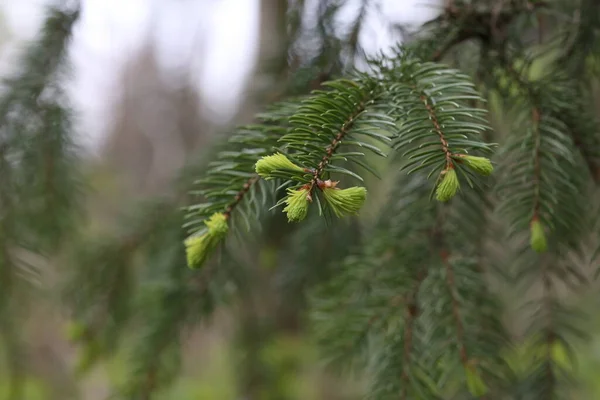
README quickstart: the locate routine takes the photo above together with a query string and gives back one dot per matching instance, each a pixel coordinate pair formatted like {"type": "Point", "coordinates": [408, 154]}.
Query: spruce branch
{"type": "Point", "coordinates": [346, 114]}
{"type": "Point", "coordinates": [230, 180]}
{"type": "Point", "coordinates": [474, 381]}
{"type": "Point", "coordinates": [550, 337]}
{"type": "Point", "coordinates": [37, 170]}
{"type": "Point", "coordinates": [35, 131]}
{"type": "Point", "coordinates": [555, 199]}
{"type": "Point", "coordinates": [166, 310]}
{"type": "Point", "coordinates": [406, 273]}
{"type": "Point", "coordinates": [450, 281]}
{"type": "Point", "coordinates": [433, 100]}
{"type": "Point", "coordinates": [99, 288]}
{"type": "Point", "coordinates": [538, 237]}
{"type": "Point", "coordinates": [438, 130]}
{"type": "Point", "coordinates": [240, 195]}
{"type": "Point", "coordinates": [411, 311]}
{"type": "Point", "coordinates": [337, 140]}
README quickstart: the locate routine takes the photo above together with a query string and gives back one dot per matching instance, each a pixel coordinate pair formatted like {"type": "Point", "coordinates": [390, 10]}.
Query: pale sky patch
{"type": "Point", "coordinates": [219, 37]}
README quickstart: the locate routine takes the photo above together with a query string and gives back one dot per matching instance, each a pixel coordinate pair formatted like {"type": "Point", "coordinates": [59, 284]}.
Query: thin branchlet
{"type": "Point", "coordinates": [240, 195]}
{"type": "Point", "coordinates": [450, 281]}
{"type": "Point", "coordinates": [537, 168]}
{"type": "Point", "coordinates": [411, 314]}
{"type": "Point", "coordinates": [335, 144]}
{"type": "Point", "coordinates": [438, 130]}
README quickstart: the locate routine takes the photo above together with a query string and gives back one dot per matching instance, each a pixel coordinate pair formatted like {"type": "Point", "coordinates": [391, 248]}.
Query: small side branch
{"type": "Point", "coordinates": [537, 169]}
{"type": "Point", "coordinates": [240, 196]}
{"type": "Point", "coordinates": [335, 143]}
{"type": "Point", "coordinates": [438, 130]}
{"type": "Point", "coordinates": [460, 331]}
{"type": "Point", "coordinates": [412, 313]}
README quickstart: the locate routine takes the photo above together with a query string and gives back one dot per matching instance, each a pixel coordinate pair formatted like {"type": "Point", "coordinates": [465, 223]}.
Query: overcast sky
{"type": "Point", "coordinates": [110, 30]}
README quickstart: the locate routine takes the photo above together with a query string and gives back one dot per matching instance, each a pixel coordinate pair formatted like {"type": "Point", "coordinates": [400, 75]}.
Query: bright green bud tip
{"type": "Point", "coordinates": [480, 165]}
{"type": "Point", "coordinates": [560, 355]}
{"type": "Point", "coordinates": [538, 238]}
{"type": "Point", "coordinates": [345, 201]}
{"type": "Point", "coordinates": [448, 187]}
{"type": "Point", "coordinates": [297, 204]}
{"type": "Point", "coordinates": [474, 382]}
{"type": "Point", "coordinates": [198, 248]}
{"type": "Point", "coordinates": [217, 225]}
{"type": "Point", "coordinates": [268, 164]}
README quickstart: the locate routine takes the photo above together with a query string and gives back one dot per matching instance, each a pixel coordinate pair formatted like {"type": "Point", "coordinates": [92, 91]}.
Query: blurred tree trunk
{"type": "Point", "coordinates": [271, 70]}
{"type": "Point", "coordinates": [158, 126]}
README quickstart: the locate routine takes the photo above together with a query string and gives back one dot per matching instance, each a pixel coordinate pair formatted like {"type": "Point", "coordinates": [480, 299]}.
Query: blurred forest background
{"type": "Point", "coordinates": [154, 85]}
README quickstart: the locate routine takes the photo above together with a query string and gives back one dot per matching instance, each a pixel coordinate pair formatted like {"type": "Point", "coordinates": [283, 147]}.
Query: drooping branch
{"type": "Point", "coordinates": [438, 130]}
{"type": "Point", "coordinates": [335, 143]}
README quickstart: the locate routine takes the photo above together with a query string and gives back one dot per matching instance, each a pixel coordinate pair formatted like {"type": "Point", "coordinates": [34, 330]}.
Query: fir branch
{"type": "Point", "coordinates": [438, 130]}
{"type": "Point", "coordinates": [230, 181]}
{"type": "Point", "coordinates": [35, 128]}
{"type": "Point", "coordinates": [550, 337]}
{"type": "Point", "coordinates": [479, 365]}
{"type": "Point", "coordinates": [166, 311]}
{"type": "Point", "coordinates": [432, 99]}
{"type": "Point", "coordinates": [402, 356]}
{"type": "Point", "coordinates": [98, 291]}
{"type": "Point", "coordinates": [28, 128]}
{"type": "Point", "coordinates": [240, 195]}
{"type": "Point", "coordinates": [41, 61]}
{"type": "Point", "coordinates": [555, 203]}
{"type": "Point", "coordinates": [537, 169]}
{"type": "Point", "coordinates": [411, 315]}
{"type": "Point", "coordinates": [329, 119]}
{"type": "Point", "coordinates": [368, 290]}
{"type": "Point", "coordinates": [581, 39]}
{"type": "Point", "coordinates": [450, 281]}
{"type": "Point", "coordinates": [346, 126]}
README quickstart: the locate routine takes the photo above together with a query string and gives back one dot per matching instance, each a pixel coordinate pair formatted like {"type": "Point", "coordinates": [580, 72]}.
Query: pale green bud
{"type": "Point", "coordinates": [481, 165]}
{"type": "Point", "coordinates": [268, 164]}
{"type": "Point", "coordinates": [560, 355]}
{"type": "Point", "coordinates": [449, 185]}
{"type": "Point", "coordinates": [198, 248]}
{"type": "Point", "coordinates": [297, 204]}
{"type": "Point", "coordinates": [345, 201]}
{"type": "Point", "coordinates": [474, 382]}
{"type": "Point", "coordinates": [538, 238]}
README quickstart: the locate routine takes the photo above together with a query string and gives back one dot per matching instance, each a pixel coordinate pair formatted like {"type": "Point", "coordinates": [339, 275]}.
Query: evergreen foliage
{"type": "Point", "coordinates": [406, 286]}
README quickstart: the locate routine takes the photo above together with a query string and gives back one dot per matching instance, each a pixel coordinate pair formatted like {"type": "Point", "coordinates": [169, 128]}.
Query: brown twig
{"type": "Point", "coordinates": [334, 144]}
{"type": "Point", "coordinates": [412, 312]}
{"type": "Point", "coordinates": [537, 168]}
{"type": "Point", "coordinates": [240, 195]}
{"type": "Point", "coordinates": [438, 243]}
{"type": "Point", "coordinates": [438, 130]}
{"type": "Point", "coordinates": [450, 281]}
